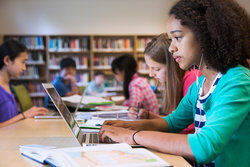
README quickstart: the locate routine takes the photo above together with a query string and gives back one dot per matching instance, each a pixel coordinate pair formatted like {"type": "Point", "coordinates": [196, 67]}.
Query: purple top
{"type": "Point", "coordinates": [8, 106]}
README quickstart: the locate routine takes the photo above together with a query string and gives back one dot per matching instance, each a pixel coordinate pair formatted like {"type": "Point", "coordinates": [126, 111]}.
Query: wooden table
{"type": "Point", "coordinates": [48, 132]}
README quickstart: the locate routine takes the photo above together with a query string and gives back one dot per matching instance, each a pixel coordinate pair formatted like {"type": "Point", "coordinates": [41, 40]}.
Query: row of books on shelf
{"type": "Point", "coordinates": [65, 44]}
{"type": "Point", "coordinates": [31, 72]}
{"type": "Point", "coordinates": [111, 82]}
{"type": "Point", "coordinates": [32, 42]}
{"type": "Point", "coordinates": [38, 102]}
{"type": "Point", "coordinates": [34, 87]}
{"type": "Point", "coordinates": [103, 61]}
{"type": "Point", "coordinates": [142, 65]}
{"type": "Point", "coordinates": [142, 43]}
{"type": "Point", "coordinates": [71, 43]}
{"type": "Point", "coordinates": [140, 56]}
{"type": "Point", "coordinates": [35, 58]}
{"type": "Point", "coordinates": [82, 78]}
{"type": "Point", "coordinates": [102, 44]}
{"type": "Point", "coordinates": [81, 62]}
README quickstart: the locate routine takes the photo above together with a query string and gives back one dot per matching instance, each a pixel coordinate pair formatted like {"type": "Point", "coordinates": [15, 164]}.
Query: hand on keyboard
{"type": "Point", "coordinates": [116, 134]}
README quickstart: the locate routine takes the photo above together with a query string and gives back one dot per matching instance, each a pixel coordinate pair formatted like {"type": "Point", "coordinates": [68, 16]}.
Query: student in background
{"type": "Point", "coordinates": [173, 81]}
{"type": "Point", "coordinates": [13, 56]}
{"type": "Point", "coordinates": [65, 84]}
{"type": "Point", "coordinates": [210, 35]}
{"type": "Point", "coordinates": [136, 89]}
{"type": "Point", "coordinates": [97, 85]}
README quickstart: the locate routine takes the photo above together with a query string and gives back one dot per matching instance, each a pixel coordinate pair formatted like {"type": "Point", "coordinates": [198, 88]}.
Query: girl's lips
{"type": "Point", "coordinates": [177, 58]}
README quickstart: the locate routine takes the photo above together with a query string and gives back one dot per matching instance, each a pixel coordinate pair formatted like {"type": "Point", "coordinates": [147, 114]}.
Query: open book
{"type": "Point", "coordinates": [87, 100]}
{"type": "Point", "coordinates": [118, 155]}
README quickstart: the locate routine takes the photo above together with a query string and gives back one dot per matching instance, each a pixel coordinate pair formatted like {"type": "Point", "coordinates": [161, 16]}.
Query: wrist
{"type": "Point", "coordinates": [133, 136]}
{"type": "Point", "coordinates": [23, 115]}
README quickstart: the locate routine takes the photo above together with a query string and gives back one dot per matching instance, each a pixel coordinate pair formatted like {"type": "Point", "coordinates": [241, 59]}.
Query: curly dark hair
{"type": "Point", "coordinates": [222, 29]}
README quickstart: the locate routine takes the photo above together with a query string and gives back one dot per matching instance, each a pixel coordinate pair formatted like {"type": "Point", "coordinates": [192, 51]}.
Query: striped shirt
{"type": "Point", "coordinates": [200, 115]}
{"type": "Point", "coordinates": [140, 90]}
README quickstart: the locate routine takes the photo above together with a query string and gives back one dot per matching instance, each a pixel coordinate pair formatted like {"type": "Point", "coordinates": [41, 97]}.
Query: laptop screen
{"type": "Point", "coordinates": [64, 111]}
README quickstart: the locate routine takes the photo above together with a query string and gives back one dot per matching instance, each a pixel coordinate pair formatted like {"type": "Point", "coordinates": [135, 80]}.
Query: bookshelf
{"type": "Point", "coordinates": [91, 52]}
{"type": "Point", "coordinates": [75, 46]}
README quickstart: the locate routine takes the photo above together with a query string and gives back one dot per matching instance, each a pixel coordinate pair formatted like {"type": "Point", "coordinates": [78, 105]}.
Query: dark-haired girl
{"type": "Point", "coordinates": [136, 89]}
{"type": "Point", "coordinates": [212, 35]}
{"type": "Point", "coordinates": [13, 56]}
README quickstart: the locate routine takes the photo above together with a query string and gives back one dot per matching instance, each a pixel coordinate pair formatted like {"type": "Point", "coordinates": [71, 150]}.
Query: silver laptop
{"type": "Point", "coordinates": [82, 138]}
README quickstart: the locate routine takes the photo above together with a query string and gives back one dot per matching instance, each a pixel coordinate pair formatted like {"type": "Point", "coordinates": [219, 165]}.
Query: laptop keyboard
{"type": "Point", "coordinates": [90, 138]}
{"type": "Point", "coordinates": [93, 138]}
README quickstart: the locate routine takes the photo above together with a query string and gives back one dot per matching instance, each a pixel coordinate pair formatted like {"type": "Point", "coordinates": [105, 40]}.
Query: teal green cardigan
{"type": "Point", "coordinates": [225, 137]}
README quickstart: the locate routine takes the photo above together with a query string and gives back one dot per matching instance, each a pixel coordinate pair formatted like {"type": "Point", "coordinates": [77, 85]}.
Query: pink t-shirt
{"type": "Point", "coordinates": [188, 80]}
{"type": "Point", "coordinates": [140, 90]}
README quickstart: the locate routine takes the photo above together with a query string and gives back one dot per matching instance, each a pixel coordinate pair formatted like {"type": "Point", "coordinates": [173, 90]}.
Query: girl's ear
{"type": "Point", "coordinates": [6, 60]}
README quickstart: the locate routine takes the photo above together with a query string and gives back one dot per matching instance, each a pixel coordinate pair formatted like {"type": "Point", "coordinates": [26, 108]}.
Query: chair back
{"type": "Point", "coordinates": [23, 97]}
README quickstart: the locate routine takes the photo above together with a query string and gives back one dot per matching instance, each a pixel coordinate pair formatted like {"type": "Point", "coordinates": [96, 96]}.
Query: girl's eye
{"type": "Point", "coordinates": [177, 38]}
{"type": "Point", "coordinates": [157, 69]}
{"type": "Point", "coordinates": [170, 40]}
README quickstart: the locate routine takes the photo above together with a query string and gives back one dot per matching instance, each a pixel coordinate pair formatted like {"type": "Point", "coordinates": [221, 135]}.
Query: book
{"type": "Point", "coordinates": [68, 44]}
{"type": "Point", "coordinates": [87, 100]}
{"type": "Point", "coordinates": [107, 44]}
{"type": "Point", "coordinates": [103, 115]}
{"type": "Point", "coordinates": [105, 155]}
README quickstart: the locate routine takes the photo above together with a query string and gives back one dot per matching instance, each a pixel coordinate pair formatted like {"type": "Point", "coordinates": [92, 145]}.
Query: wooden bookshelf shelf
{"type": "Point", "coordinates": [34, 63]}
{"type": "Point", "coordinates": [92, 52]}
{"type": "Point", "coordinates": [102, 68]}
{"type": "Point", "coordinates": [57, 68]}
{"type": "Point", "coordinates": [36, 50]}
{"type": "Point", "coordinates": [29, 79]}
{"type": "Point", "coordinates": [113, 51]}
{"type": "Point", "coordinates": [71, 52]}
{"type": "Point", "coordinates": [37, 94]}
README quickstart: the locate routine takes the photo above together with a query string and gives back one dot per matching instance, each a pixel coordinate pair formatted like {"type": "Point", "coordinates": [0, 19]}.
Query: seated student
{"type": "Point", "coordinates": [210, 35]}
{"type": "Point", "coordinates": [65, 84]}
{"type": "Point", "coordinates": [136, 89]}
{"type": "Point", "coordinates": [173, 81]}
{"type": "Point", "coordinates": [97, 85]}
{"type": "Point", "coordinates": [13, 56]}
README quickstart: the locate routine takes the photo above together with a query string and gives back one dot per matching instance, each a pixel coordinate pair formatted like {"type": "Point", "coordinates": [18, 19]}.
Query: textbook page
{"type": "Point", "coordinates": [106, 155]}
{"type": "Point", "coordinates": [116, 155]}
{"type": "Point", "coordinates": [75, 99]}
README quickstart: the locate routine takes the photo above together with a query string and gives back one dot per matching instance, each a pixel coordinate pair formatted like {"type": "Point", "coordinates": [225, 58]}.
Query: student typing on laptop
{"type": "Point", "coordinates": [13, 56]}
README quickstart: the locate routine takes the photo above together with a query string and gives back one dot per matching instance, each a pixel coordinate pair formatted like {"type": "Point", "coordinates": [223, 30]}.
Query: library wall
{"type": "Point", "coordinates": [84, 16]}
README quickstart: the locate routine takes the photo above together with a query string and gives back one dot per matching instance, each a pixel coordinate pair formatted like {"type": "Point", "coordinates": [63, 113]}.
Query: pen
{"type": "Point", "coordinates": [138, 110]}
{"type": "Point", "coordinates": [157, 84]}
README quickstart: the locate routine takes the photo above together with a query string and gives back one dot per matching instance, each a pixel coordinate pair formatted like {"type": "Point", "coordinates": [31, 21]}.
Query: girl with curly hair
{"type": "Point", "coordinates": [212, 35]}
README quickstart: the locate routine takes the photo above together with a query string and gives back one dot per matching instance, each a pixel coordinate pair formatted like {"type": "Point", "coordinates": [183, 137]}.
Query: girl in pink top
{"type": "Point", "coordinates": [136, 89]}
{"type": "Point", "coordinates": [173, 81]}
